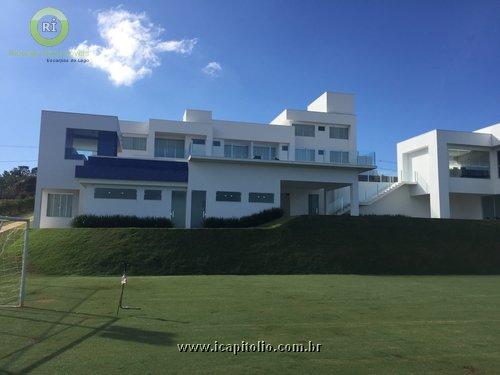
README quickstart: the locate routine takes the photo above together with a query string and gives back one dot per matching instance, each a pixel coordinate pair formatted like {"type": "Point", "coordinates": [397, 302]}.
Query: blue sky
{"type": "Point", "coordinates": [413, 65]}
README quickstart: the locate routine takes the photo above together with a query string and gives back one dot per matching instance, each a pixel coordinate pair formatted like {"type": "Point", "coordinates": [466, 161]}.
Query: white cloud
{"type": "Point", "coordinates": [131, 46]}
{"type": "Point", "coordinates": [212, 69]}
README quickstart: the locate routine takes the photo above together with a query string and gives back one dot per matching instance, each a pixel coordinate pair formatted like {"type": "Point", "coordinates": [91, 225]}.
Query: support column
{"type": "Point", "coordinates": [355, 198]}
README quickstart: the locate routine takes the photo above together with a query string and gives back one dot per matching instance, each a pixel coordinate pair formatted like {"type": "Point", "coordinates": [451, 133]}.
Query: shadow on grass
{"type": "Point", "coordinates": [55, 327]}
{"type": "Point", "coordinates": [117, 332]}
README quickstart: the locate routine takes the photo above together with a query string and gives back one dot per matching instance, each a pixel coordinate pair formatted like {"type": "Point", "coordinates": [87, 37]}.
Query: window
{"type": "Point", "coordinates": [339, 157]}
{"type": "Point", "coordinates": [304, 154]}
{"type": "Point", "coordinates": [216, 143]}
{"type": "Point", "coordinates": [304, 130]}
{"type": "Point", "coordinates": [339, 132]}
{"type": "Point", "coordinates": [261, 197]}
{"type": "Point", "coordinates": [134, 143]}
{"type": "Point", "coordinates": [59, 205]}
{"type": "Point", "coordinates": [468, 163]}
{"type": "Point", "coordinates": [321, 128]}
{"type": "Point", "coordinates": [264, 152]}
{"type": "Point", "coordinates": [198, 147]}
{"type": "Point", "coordinates": [285, 148]}
{"type": "Point", "coordinates": [81, 143]}
{"type": "Point", "coordinates": [321, 152]}
{"type": "Point", "coordinates": [152, 195]}
{"type": "Point", "coordinates": [115, 193]}
{"type": "Point", "coordinates": [228, 196]}
{"type": "Point", "coordinates": [169, 148]}
{"type": "Point", "coordinates": [235, 151]}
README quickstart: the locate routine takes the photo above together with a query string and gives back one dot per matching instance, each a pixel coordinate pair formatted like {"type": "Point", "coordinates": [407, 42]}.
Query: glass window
{"type": "Point", "coordinates": [134, 143]}
{"type": "Point", "coordinates": [235, 151]}
{"type": "Point", "coordinates": [321, 128]}
{"type": "Point", "coordinates": [304, 130]}
{"type": "Point", "coordinates": [304, 154]}
{"type": "Point", "coordinates": [216, 143]}
{"type": "Point", "coordinates": [468, 163]}
{"type": "Point", "coordinates": [228, 196]}
{"type": "Point", "coordinates": [169, 148]}
{"type": "Point", "coordinates": [198, 147]}
{"type": "Point", "coordinates": [321, 152]}
{"type": "Point", "coordinates": [152, 195]}
{"type": "Point", "coordinates": [81, 143]}
{"type": "Point", "coordinates": [339, 157]}
{"type": "Point", "coordinates": [261, 197]}
{"type": "Point", "coordinates": [264, 152]}
{"type": "Point", "coordinates": [115, 193]}
{"type": "Point", "coordinates": [59, 205]}
{"type": "Point", "coordinates": [284, 148]}
{"type": "Point", "coordinates": [339, 132]}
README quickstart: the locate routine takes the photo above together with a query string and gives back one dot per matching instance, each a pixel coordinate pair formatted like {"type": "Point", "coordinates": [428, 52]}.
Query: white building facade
{"type": "Point", "coordinates": [303, 161]}
{"type": "Point", "coordinates": [445, 174]}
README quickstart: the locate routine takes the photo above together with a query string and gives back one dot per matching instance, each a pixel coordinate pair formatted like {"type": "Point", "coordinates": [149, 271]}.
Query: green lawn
{"type": "Point", "coordinates": [366, 324]}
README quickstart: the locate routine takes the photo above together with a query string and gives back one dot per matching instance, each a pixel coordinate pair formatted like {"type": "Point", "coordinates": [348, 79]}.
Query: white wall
{"type": "Point", "coordinates": [138, 207]}
{"type": "Point", "coordinates": [213, 175]}
{"type": "Point", "coordinates": [399, 202]}
{"type": "Point", "coordinates": [54, 171]}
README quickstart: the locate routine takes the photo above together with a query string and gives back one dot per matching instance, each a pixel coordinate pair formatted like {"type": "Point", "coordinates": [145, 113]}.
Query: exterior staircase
{"type": "Point", "coordinates": [383, 193]}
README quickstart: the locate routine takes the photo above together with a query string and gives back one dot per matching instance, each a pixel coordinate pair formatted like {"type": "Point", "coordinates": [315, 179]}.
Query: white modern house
{"type": "Point", "coordinates": [444, 174]}
{"type": "Point", "coordinates": [305, 161]}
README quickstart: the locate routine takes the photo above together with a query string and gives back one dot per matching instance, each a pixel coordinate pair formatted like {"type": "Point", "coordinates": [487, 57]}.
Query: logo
{"type": "Point", "coordinates": [49, 27]}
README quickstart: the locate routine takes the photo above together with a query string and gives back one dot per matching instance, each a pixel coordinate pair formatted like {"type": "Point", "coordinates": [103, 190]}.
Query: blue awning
{"type": "Point", "coordinates": [132, 169]}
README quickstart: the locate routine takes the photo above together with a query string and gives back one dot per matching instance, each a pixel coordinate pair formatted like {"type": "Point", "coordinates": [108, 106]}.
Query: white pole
{"type": "Point", "coordinates": [22, 290]}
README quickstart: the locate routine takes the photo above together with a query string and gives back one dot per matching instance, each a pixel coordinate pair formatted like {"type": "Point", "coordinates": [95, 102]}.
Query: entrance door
{"type": "Point", "coordinates": [198, 208]}
{"type": "Point", "coordinates": [313, 204]}
{"type": "Point", "coordinates": [285, 203]}
{"type": "Point", "coordinates": [178, 210]}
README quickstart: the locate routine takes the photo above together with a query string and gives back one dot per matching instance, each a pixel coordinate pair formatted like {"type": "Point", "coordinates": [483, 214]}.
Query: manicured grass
{"type": "Point", "coordinates": [305, 245]}
{"type": "Point", "coordinates": [366, 324]}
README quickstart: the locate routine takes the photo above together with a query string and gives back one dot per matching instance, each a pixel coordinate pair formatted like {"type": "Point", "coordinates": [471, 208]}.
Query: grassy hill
{"type": "Point", "coordinates": [306, 245]}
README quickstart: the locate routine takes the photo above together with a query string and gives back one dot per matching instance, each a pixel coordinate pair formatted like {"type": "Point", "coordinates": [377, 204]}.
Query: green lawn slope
{"type": "Point", "coordinates": [305, 245]}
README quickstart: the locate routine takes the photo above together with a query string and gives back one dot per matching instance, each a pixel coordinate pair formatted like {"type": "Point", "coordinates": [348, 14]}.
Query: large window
{"type": "Point", "coordinates": [304, 130]}
{"type": "Point", "coordinates": [261, 197]}
{"type": "Point", "coordinates": [59, 205]}
{"type": "Point", "coordinates": [81, 143]}
{"type": "Point", "coordinates": [468, 163]}
{"type": "Point", "coordinates": [134, 143]}
{"type": "Point", "coordinates": [115, 193]}
{"type": "Point", "coordinates": [236, 151]}
{"type": "Point", "coordinates": [305, 154]}
{"type": "Point", "coordinates": [228, 196]}
{"type": "Point", "coordinates": [339, 157]}
{"type": "Point", "coordinates": [169, 148]}
{"type": "Point", "coordinates": [264, 152]}
{"type": "Point", "coordinates": [339, 132]}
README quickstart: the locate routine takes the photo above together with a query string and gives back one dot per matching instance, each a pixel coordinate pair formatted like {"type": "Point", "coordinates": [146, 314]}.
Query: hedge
{"type": "Point", "coordinates": [15, 207]}
{"type": "Point", "coordinates": [305, 245]}
{"type": "Point", "coordinates": [254, 220]}
{"type": "Point", "coordinates": [119, 221]}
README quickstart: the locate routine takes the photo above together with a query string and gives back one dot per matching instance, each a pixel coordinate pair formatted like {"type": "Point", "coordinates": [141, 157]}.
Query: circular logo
{"type": "Point", "coordinates": [49, 27]}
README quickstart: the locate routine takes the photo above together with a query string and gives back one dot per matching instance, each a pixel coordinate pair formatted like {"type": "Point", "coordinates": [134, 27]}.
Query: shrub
{"type": "Point", "coordinates": [120, 221]}
{"type": "Point", "coordinates": [13, 207]}
{"type": "Point", "coordinates": [245, 221]}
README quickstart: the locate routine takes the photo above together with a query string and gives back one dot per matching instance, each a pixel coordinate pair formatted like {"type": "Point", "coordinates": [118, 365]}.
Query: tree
{"type": "Point", "coordinates": [20, 182]}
